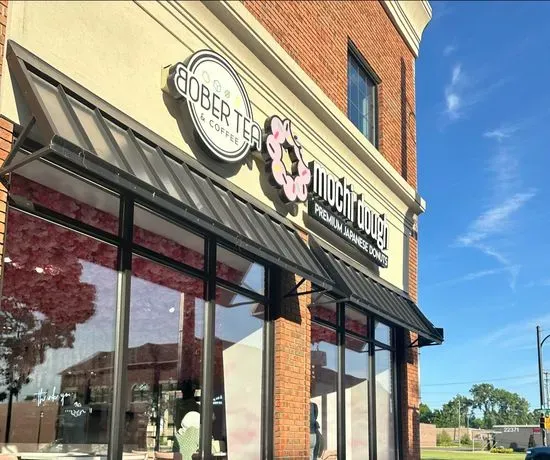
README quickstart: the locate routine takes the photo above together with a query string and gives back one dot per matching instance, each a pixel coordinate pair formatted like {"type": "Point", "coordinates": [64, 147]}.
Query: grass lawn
{"type": "Point", "coordinates": [478, 455]}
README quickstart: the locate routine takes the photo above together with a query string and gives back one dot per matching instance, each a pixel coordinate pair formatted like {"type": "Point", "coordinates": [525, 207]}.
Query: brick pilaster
{"type": "Point", "coordinates": [409, 371]}
{"type": "Point", "coordinates": [292, 373]}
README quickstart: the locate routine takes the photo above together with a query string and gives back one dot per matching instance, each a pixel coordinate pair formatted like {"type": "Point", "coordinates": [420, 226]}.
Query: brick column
{"type": "Point", "coordinates": [292, 373]}
{"type": "Point", "coordinates": [409, 373]}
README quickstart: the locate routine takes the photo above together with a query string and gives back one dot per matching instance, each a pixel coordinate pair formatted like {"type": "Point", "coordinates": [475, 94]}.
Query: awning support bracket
{"type": "Point", "coordinates": [22, 138]}
{"type": "Point", "coordinates": [33, 156]}
{"type": "Point", "coordinates": [294, 291]}
{"type": "Point", "coordinates": [9, 166]}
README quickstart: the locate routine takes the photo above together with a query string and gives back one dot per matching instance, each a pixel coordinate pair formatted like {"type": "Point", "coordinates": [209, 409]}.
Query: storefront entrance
{"type": "Point", "coordinates": [152, 309]}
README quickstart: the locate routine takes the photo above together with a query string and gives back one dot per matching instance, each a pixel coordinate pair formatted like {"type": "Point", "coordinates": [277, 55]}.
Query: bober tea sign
{"type": "Point", "coordinates": [221, 113]}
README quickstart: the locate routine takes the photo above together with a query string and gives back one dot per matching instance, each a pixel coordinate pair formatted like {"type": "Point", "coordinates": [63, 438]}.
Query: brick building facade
{"type": "Point", "coordinates": [296, 335]}
{"type": "Point", "coordinates": [316, 35]}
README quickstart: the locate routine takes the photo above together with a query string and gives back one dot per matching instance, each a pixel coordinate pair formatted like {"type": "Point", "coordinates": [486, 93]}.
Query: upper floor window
{"type": "Point", "coordinates": [362, 95]}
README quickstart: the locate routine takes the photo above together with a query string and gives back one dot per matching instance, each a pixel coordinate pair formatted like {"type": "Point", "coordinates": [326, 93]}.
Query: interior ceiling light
{"type": "Point", "coordinates": [39, 270]}
{"type": "Point", "coordinates": [7, 260]}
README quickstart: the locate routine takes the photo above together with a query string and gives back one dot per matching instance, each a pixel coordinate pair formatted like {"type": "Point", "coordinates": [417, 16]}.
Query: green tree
{"type": "Point", "coordinates": [452, 412]}
{"type": "Point", "coordinates": [483, 396]}
{"type": "Point", "coordinates": [426, 415]}
{"type": "Point", "coordinates": [499, 406]}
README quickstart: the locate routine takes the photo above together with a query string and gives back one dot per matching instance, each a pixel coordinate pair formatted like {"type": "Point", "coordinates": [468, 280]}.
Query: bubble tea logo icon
{"type": "Point", "coordinates": [218, 105]}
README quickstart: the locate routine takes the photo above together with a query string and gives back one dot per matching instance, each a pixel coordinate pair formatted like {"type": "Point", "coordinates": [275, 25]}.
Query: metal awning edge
{"type": "Point", "coordinates": [431, 332]}
{"type": "Point", "coordinates": [82, 160]}
{"type": "Point", "coordinates": [20, 54]}
{"type": "Point", "coordinates": [23, 63]}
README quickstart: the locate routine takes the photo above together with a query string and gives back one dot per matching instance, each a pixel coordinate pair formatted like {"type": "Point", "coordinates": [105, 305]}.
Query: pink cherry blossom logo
{"type": "Point", "coordinates": [278, 139]}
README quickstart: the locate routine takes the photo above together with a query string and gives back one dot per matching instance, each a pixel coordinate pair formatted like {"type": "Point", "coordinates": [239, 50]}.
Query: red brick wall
{"type": "Point", "coordinates": [292, 374]}
{"type": "Point", "coordinates": [315, 34]}
{"type": "Point", "coordinates": [409, 372]}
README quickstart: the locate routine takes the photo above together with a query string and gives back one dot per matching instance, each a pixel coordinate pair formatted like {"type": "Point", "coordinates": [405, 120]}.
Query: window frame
{"type": "Point", "coordinates": [126, 248]}
{"type": "Point", "coordinates": [355, 55]}
{"type": "Point", "coordinates": [341, 332]}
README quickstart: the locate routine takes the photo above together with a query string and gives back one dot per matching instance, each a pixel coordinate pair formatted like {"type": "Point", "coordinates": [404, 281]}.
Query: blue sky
{"type": "Point", "coordinates": [483, 112]}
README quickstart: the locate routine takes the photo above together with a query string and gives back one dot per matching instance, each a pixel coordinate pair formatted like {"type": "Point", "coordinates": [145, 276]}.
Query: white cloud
{"type": "Point", "coordinates": [463, 91]}
{"type": "Point", "coordinates": [518, 333]}
{"type": "Point", "coordinates": [501, 133]}
{"type": "Point", "coordinates": [495, 219]}
{"type": "Point", "coordinates": [453, 98]}
{"type": "Point", "coordinates": [448, 50]}
{"type": "Point", "coordinates": [472, 276]}
{"type": "Point", "coordinates": [505, 167]}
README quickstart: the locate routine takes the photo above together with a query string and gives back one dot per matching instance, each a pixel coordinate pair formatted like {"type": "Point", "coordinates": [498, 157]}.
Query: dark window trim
{"type": "Point", "coordinates": [400, 386]}
{"type": "Point", "coordinates": [373, 346]}
{"type": "Point", "coordinates": [123, 242]}
{"type": "Point", "coordinates": [353, 51]}
{"type": "Point", "coordinates": [373, 432]}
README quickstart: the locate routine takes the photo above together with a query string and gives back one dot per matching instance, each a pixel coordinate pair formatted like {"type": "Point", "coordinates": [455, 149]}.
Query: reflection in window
{"type": "Point", "coordinates": [382, 333]}
{"type": "Point", "coordinates": [361, 98]}
{"type": "Point", "coordinates": [238, 369]}
{"type": "Point", "coordinates": [357, 398]}
{"type": "Point", "coordinates": [141, 392]}
{"type": "Point", "coordinates": [385, 406]}
{"type": "Point", "coordinates": [162, 236]}
{"type": "Point", "coordinates": [324, 308]}
{"type": "Point", "coordinates": [164, 360]}
{"type": "Point", "coordinates": [356, 321]}
{"type": "Point", "coordinates": [324, 373]}
{"type": "Point", "coordinates": [56, 341]}
{"type": "Point", "coordinates": [240, 271]}
{"type": "Point", "coordinates": [66, 194]}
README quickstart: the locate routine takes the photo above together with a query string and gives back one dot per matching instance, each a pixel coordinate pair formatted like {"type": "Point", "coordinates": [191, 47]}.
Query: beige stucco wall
{"type": "Point", "coordinates": [118, 49]}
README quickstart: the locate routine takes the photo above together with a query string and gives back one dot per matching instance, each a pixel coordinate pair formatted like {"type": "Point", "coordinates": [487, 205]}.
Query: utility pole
{"type": "Point", "coordinates": [541, 387]}
{"type": "Point", "coordinates": [459, 422]}
{"type": "Point", "coordinates": [468, 426]}
{"type": "Point", "coordinates": [547, 385]}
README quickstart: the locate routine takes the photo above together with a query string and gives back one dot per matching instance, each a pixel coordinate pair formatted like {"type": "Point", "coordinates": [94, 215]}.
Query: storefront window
{"type": "Point", "coordinates": [238, 370]}
{"type": "Point", "coordinates": [164, 360]}
{"type": "Point", "coordinates": [59, 191]}
{"type": "Point", "coordinates": [356, 384]}
{"type": "Point", "coordinates": [158, 234]}
{"type": "Point", "coordinates": [324, 309]}
{"type": "Point", "coordinates": [324, 386]}
{"type": "Point", "coordinates": [56, 343]}
{"type": "Point", "coordinates": [382, 333]}
{"type": "Point", "coordinates": [240, 271]}
{"type": "Point", "coordinates": [356, 321]}
{"type": "Point", "coordinates": [385, 406]}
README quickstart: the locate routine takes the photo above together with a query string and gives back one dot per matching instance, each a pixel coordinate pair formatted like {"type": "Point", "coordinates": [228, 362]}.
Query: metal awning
{"type": "Point", "coordinates": [378, 296]}
{"type": "Point", "coordinates": [78, 128]}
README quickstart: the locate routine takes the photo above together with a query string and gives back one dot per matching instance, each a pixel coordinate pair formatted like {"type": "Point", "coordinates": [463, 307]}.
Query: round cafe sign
{"type": "Point", "coordinates": [218, 105]}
